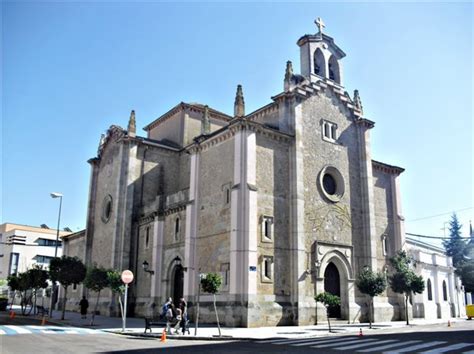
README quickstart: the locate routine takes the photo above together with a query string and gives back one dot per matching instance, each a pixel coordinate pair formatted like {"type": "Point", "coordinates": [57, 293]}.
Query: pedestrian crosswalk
{"type": "Point", "coordinates": [15, 330]}
{"type": "Point", "coordinates": [374, 344]}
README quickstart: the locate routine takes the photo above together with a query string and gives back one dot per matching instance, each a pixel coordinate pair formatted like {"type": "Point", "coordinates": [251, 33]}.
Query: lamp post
{"type": "Point", "coordinates": [53, 290]}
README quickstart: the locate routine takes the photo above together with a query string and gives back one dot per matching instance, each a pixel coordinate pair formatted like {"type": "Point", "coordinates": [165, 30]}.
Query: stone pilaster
{"type": "Point", "coordinates": [91, 207]}
{"type": "Point", "coordinates": [157, 257]}
{"type": "Point", "coordinates": [398, 220]}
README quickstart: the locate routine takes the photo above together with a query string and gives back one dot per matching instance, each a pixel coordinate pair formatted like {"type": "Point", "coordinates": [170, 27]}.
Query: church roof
{"type": "Point", "coordinates": [213, 113]}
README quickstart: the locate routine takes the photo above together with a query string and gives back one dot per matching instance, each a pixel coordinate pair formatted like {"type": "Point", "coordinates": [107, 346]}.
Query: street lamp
{"type": "Point", "coordinates": [145, 266]}
{"type": "Point", "coordinates": [53, 290]}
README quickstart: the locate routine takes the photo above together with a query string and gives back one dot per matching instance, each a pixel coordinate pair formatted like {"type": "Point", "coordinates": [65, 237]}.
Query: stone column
{"type": "Point", "coordinates": [157, 257]}
{"type": "Point", "coordinates": [244, 223]}
{"type": "Point", "coordinates": [369, 237]}
{"type": "Point", "coordinates": [190, 261]}
{"type": "Point", "coordinates": [398, 219]}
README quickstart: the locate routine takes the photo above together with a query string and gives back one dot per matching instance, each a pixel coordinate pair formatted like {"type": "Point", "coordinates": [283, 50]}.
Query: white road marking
{"type": "Point", "coordinates": [293, 340]}
{"type": "Point", "coordinates": [388, 346]}
{"type": "Point", "coordinates": [19, 329]}
{"type": "Point", "coordinates": [356, 346]}
{"type": "Point", "coordinates": [2, 332]}
{"type": "Point", "coordinates": [334, 340]}
{"type": "Point", "coordinates": [348, 342]}
{"type": "Point", "coordinates": [416, 347]}
{"type": "Point", "coordinates": [448, 348]}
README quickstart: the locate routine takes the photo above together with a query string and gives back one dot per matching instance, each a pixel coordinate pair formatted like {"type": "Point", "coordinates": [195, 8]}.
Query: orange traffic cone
{"type": "Point", "coordinates": [163, 336]}
{"type": "Point", "coordinates": [43, 321]}
{"type": "Point", "coordinates": [360, 333]}
{"type": "Point", "coordinates": [12, 314]}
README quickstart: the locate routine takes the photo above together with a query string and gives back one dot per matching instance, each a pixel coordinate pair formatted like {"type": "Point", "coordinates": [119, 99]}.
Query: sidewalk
{"type": "Point", "coordinates": [136, 327]}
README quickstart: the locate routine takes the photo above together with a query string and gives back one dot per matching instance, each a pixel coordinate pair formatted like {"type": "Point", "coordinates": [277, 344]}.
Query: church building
{"type": "Point", "coordinates": [284, 202]}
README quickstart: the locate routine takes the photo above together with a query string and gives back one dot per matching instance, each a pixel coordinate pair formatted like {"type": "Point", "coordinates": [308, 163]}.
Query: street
{"type": "Point", "coordinates": [27, 338]}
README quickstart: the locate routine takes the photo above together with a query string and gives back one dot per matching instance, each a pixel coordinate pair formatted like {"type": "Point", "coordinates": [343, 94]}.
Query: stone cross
{"type": "Point", "coordinates": [320, 24]}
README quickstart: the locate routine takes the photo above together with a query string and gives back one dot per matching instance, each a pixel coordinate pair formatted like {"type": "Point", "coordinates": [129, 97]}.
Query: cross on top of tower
{"type": "Point", "coordinates": [320, 24]}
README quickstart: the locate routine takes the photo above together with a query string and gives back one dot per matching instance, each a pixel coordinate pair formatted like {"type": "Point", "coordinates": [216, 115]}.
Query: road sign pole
{"type": "Point", "coordinates": [124, 316]}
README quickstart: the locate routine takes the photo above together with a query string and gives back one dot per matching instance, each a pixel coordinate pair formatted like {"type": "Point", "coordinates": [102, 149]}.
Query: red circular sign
{"type": "Point", "coordinates": [127, 276]}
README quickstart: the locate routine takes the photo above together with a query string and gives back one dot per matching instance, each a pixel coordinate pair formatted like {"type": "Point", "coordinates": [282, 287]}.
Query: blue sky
{"type": "Point", "coordinates": [70, 70]}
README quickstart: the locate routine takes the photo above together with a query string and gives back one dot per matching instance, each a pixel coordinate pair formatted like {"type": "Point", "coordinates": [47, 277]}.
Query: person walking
{"type": "Point", "coordinates": [84, 304]}
{"type": "Point", "coordinates": [183, 306]}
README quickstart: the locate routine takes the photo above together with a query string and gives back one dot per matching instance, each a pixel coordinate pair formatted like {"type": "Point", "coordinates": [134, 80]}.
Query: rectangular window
{"type": "Point", "coordinates": [225, 270]}
{"type": "Point", "coordinates": [267, 269]}
{"type": "Point", "coordinates": [227, 191]}
{"type": "Point", "coordinates": [46, 242]}
{"type": "Point", "coordinates": [329, 131]}
{"type": "Point", "coordinates": [384, 245]}
{"type": "Point", "coordinates": [267, 228]}
{"type": "Point", "coordinates": [43, 259]}
{"type": "Point", "coordinates": [14, 258]}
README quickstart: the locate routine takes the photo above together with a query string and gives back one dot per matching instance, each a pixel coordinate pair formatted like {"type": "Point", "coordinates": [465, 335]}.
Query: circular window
{"type": "Point", "coordinates": [107, 208]}
{"type": "Point", "coordinates": [331, 183]}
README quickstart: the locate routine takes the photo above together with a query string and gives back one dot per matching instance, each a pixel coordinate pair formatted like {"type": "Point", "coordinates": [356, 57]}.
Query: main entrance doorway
{"type": "Point", "coordinates": [332, 284]}
{"type": "Point", "coordinates": [178, 283]}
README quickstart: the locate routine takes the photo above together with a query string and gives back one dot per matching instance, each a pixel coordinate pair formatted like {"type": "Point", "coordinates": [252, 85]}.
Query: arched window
{"type": "Point", "coordinates": [334, 73]}
{"type": "Point", "coordinates": [445, 291]}
{"type": "Point", "coordinates": [176, 229]}
{"type": "Point", "coordinates": [430, 293]}
{"type": "Point", "coordinates": [319, 63]}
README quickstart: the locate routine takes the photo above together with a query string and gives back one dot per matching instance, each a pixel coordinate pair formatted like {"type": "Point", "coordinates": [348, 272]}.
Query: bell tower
{"type": "Point", "coordinates": [320, 57]}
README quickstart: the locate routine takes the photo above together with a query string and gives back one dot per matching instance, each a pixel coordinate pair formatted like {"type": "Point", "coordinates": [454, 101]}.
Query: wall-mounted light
{"type": "Point", "coordinates": [145, 266]}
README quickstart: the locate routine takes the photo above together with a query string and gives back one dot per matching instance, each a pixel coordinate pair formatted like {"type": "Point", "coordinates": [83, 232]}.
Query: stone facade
{"type": "Point", "coordinates": [284, 203]}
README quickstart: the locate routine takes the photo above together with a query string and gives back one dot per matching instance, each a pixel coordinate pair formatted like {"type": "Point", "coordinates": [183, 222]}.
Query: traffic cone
{"type": "Point", "coordinates": [163, 336]}
{"type": "Point", "coordinates": [12, 315]}
{"type": "Point", "coordinates": [43, 321]}
{"type": "Point", "coordinates": [360, 333]}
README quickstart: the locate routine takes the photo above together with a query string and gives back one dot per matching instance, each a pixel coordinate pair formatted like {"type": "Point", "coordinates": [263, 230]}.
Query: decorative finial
{"type": "Point", "coordinates": [320, 24]}
{"type": "Point", "coordinates": [358, 102]}
{"type": "Point", "coordinates": [132, 128]}
{"type": "Point", "coordinates": [239, 104]}
{"type": "Point", "coordinates": [205, 123]}
{"type": "Point", "coordinates": [288, 75]}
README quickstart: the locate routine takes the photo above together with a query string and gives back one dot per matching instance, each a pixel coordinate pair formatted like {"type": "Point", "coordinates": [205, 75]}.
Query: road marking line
{"type": "Point", "coordinates": [388, 346]}
{"type": "Point", "coordinates": [448, 348]}
{"type": "Point", "coordinates": [355, 346]}
{"type": "Point", "coordinates": [289, 341]}
{"type": "Point", "coordinates": [416, 347]}
{"type": "Point", "coordinates": [2, 332]}
{"type": "Point", "coordinates": [322, 341]}
{"type": "Point", "coordinates": [348, 342]}
{"type": "Point", "coordinates": [19, 329]}
{"type": "Point", "coordinates": [272, 341]}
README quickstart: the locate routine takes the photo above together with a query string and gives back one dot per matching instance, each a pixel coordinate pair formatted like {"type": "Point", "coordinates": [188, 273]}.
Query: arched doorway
{"type": "Point", "coordinates": [178, 283]}
{"type": "Point", "coordinates": [332, 284]}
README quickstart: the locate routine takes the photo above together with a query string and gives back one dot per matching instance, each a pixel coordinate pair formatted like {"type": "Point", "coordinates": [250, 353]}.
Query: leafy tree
{"type": "Point", "coordinates": [455, 246]}
{"type": "Point", "coordinates": [404, 280]}
{"type": "Point", "coordinates": [211, 284]}
{"type": "Point", "coordinates": [14, 284]}
{"type": "Point", "coordinates": [37, 279]}
{"type": "Point", "coordinates": [96, 279]}
{"type": "Point", "coordinates": [328, 300]}
{"type": "Point", "coordinates": [371, 284]}
{"type": "Point", "coordinates": [116, 285]}
{"type": "Point", "coordinates": [466, 272]}
{"type": "Point", "coordinates": [67, 271]}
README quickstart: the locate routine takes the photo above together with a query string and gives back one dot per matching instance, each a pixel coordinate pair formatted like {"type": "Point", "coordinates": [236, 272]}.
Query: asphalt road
{"type": "Point", "coordinates": [438, 339]}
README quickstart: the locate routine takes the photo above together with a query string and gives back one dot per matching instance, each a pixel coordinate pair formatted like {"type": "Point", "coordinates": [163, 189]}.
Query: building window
{"type": "Point", "coordinates": [267, 269]}
{"type": "Point", "coordinates": [43, 259]}
{"type": "Point", "coordinates": [430, 292]}
{"type": "Point", "coordinates": [445, 291]}
{"type": "Point", "coordinates": [226, 189]}
{"type": "Point", "coordinates": [331, 183]}
{"type": "Point", "coordinates": [147, 236]}
{"type": "Point", "coordinates": [106, 208]}
{"type": "Point", "coordinates": [267, 228]}
{"type": "Point", "coordinates": [177, 227]}
{"type": "Point", "coordinates": [384, 245]}
{"type": "Point", "coordinates": [46, 242]}
{"type": "Point", "coordinates": [329, 131]}
{"type": "Point", "coordinates": [74, 287]}
{"type": "Point", "coordinates": [14, 258]}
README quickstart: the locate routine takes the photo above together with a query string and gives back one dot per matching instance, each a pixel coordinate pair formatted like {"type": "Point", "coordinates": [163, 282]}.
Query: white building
{"type": "Point", "coordinates": [23, 246]}
{"type": "Point", "coordinates": [443, 297]}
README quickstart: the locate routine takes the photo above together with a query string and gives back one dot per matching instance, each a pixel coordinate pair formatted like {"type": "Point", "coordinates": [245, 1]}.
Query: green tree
{"type": "Point", "coordinates": [404, 280]}
{"type": "Point", "coordinates": [67, 271]}
{"type": "Point", "coordinates": [117, 286]}
{"type": "Point", "coordinates": [328, 300]}
{"type": "Point", "coordinates": [455, 246]}
{"type": "Point", "coordinates": [371, 284]}
{"type": "Point", "coordinates": [14, 284]}
{"type": "Point", "coordinates": [466, 272]}
{"type": "Point", "coordinates": [37, 279]}
{"type": "Point", "coordinates": [211, 284]}
{"type": "Point", "coordinates": [96, 280]}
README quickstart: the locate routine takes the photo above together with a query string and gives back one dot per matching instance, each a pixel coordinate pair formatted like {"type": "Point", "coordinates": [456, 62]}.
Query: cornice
{"type": "Point", "coordinates": [393, 170]}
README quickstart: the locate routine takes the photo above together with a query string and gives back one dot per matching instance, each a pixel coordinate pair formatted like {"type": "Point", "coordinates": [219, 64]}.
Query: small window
{"type": "Point", "coordinates": [329, 131]}
{"type": "Point", "coordinates": [267, 269]}
{"type": "Point", "coordinates": [267, 228]}
{"type": "Point", "coordinates": [14, 258]}
{"type": "Point", "coordinates": [430, 293]}
{"type": "Point", "coordinates": [177, 227]}
{"type": "Point", "coordinates": [225, 269]}
{"type": "Point", "coordinates": [74, 287]}
{"type": "Point", "coordinates": [384, 245]}
{"type": "Point", "coordinates": [147, 237]}
{"type": "Point", "coordinates": [227, 192]}
{"type": "Point", "coordinates": [445, 291]}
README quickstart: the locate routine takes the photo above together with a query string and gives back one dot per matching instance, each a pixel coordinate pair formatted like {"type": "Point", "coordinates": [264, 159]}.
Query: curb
{"type": "Point", "coordinates": [178, 337]}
